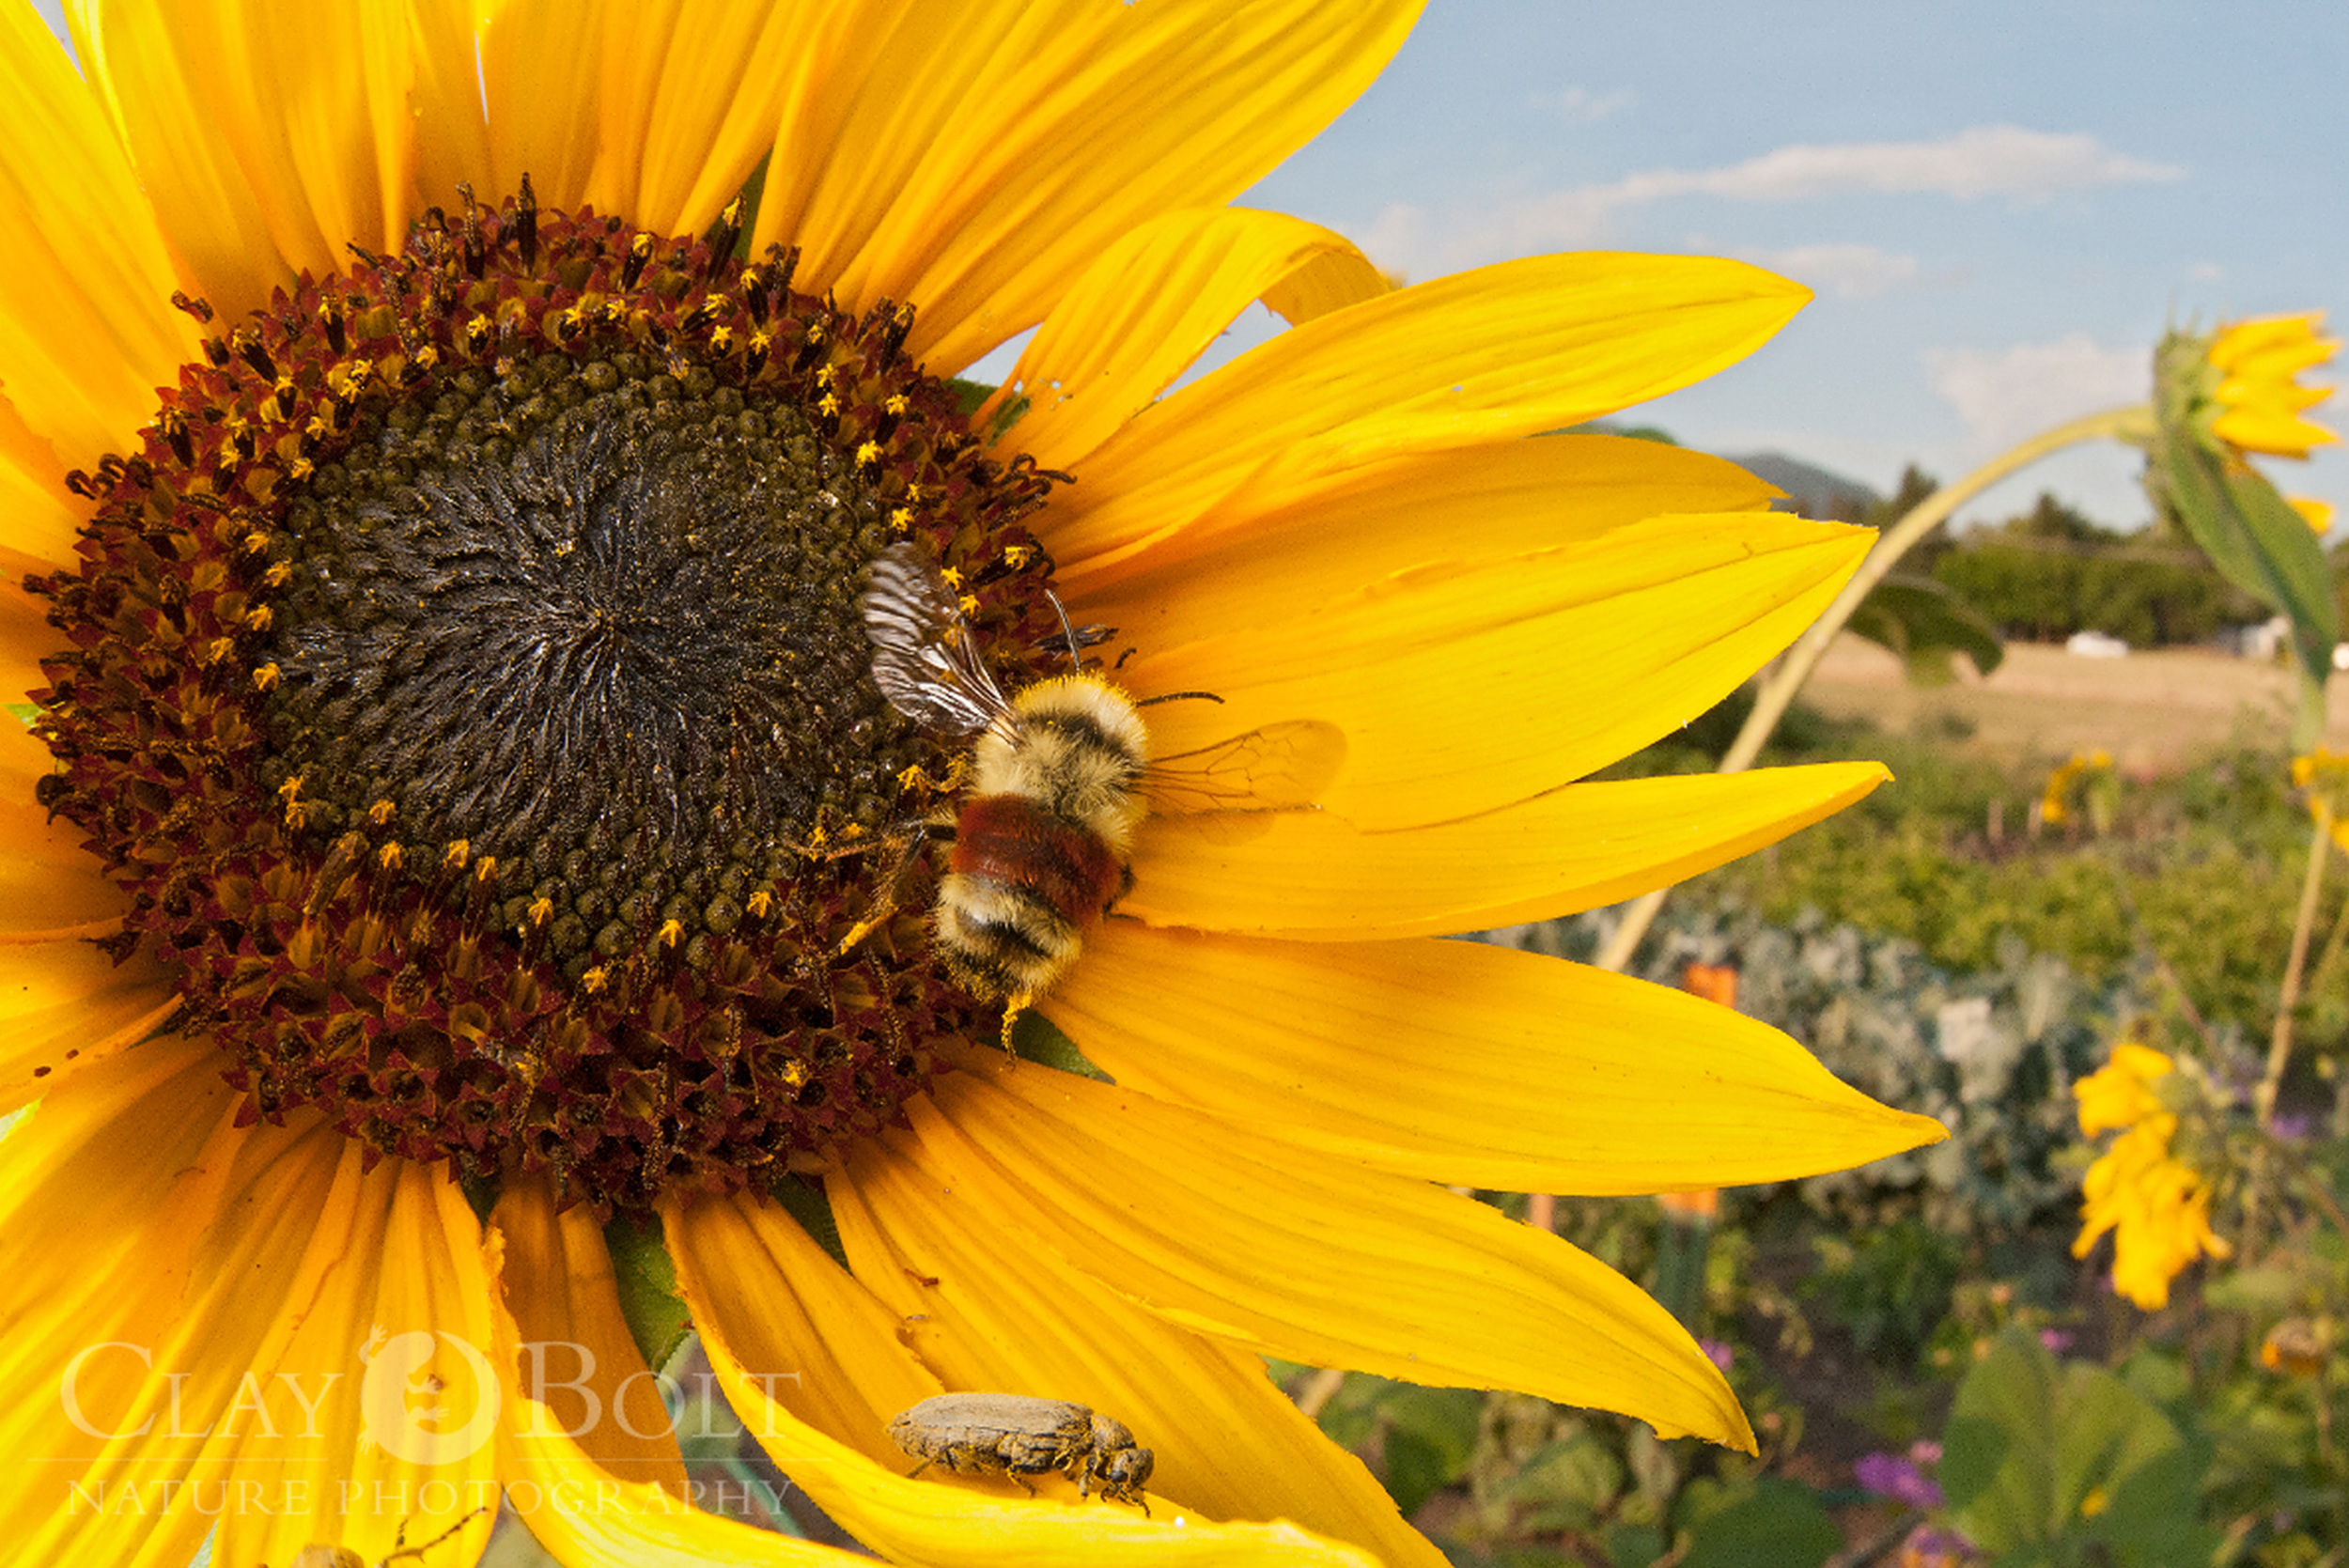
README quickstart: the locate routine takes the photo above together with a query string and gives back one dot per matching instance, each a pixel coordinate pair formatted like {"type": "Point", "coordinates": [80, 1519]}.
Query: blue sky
{"type": "Point", "coordinates": [1998, 204]}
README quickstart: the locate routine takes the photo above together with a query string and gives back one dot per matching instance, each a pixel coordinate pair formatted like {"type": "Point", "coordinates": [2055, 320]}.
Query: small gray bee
{"type": "Point", "coordinates": [1017, 1436]}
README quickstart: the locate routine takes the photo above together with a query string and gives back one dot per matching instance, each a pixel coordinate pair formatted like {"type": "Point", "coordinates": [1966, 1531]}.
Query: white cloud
{"type": "Point", "coordinates": [1980, 161]}
{"type": "Point", "coordinates": [2006, 395]}
{"type": "Point", "coordinates": [1851, 271]}
{"type": "Point", "coordinates": [1582, 106]}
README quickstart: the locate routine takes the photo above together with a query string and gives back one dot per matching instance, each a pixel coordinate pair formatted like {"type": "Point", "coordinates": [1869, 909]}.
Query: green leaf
{"type": "Point", "coordinates": [1635, 1545]}
{"type": "Point", "coordinates": [2039, 1459]}
{"type": "Point", "coordinates": [1038, 1039]}
{"type": "Point", "coordinates": [1998, 1452]}
{"type": "Point", "coordinates": [1429, 1434]}
{"type": "Point", "coordinates": [1445, 1420]}
{"type": "Point", "coordinates": [1415, 1470]}
{"type": "Point", "coordinates": [1567, 1484]}
{"type": "Point", "coordinates": [2254, 539]}
{"type": "Point", "coordinates": [806, 1203]}
{"type": "Point", "coordinates": [968, 394]}
{"type": "Point", "coordinates": [1767, 1522]}
{"type": "Point", "coordinates": [1924, 623]}
{"type": "Point", "coordinates": [646, 1281]}
{"type": "Point", "coordinates": [2118, 1450]}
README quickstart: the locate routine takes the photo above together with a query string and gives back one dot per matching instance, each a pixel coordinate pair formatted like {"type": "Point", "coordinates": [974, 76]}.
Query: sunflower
{"type": "Point", "coordinates": [458, 825]}
{"type": "Point", "coordinates": [2157, 1205]}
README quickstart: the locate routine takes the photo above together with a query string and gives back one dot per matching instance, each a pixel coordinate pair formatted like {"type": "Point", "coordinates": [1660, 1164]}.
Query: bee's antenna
{"type": "Point", "coordinates": [1076, 649]}
{"type": "Point", "coordinates": [1176, 697]}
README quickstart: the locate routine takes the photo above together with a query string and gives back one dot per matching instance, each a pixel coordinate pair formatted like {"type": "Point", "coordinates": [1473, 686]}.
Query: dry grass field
{"type": "Point", "coordinates": [2153, 711]}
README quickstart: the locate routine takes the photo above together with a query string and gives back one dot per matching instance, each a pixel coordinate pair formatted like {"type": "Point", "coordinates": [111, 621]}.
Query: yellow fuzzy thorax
{"type": "Point", "coordinates": [1075, 746]}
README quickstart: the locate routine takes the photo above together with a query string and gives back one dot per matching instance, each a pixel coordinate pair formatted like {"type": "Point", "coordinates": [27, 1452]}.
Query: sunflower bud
{"type": "Point", "coordinates": [2217, 401]}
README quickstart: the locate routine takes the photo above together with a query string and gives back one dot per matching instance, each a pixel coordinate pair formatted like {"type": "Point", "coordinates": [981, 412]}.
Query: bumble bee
{"type": "Point", "coordinates": [1059, 779]}
{"type": "Point", "coordinates": [1047, 823]}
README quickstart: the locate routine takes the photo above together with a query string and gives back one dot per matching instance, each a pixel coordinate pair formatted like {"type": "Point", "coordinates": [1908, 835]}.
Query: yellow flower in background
{"type": "Point", "coordinates": [2121, 1093]}
{"type": "Point", "coordinates": [2318, 513]}
{"type": "Point", "coordinates": [2325, 775]}
{"type": "Point", "coordinates": [2259, 399]}
{"type": "Point", "coordinates": [2157, 1205]}
{"type": "Point", "coordinates": [2055, 801]}
{"type": "Point", "coordinates": [2299, 1346]}
{"type": "Point", "coordinates": [462, 682]}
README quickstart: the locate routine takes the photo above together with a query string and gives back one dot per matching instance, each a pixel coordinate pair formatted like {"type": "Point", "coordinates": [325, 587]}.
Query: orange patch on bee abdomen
{"type": "Point", "coordinates": [1010, 840]}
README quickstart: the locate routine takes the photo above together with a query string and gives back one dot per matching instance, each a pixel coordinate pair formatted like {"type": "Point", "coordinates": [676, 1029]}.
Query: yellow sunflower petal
{"type": "Point", "coordinates": [657, 113]}
{"type": "Point", "coordinates": [452, 136]}
{"type": "Point", "coordinates": [952, 1525]}
{"type": "Point", "coordinates": [2282, 434]}
{"type": "Point", "coordinates": [808, 1358]}
{"type": "Point", "coordinates": [1310, 874]}
{"type": "Point", "coordinates": [393, 1347]}
{"type": "Point", "coordinates": [50, 887]}
{"type": "Point", "coordinates": [580, 1364]}
{"type": "Point", "coordinates": [591, 1518]}
{"type": "Point", "coordinates": [758, 1284]}
{"type": "Point", "coordinates": [43, 521]}
{"type": "Point", "coordinates": [987, 1318]}
{"type": "Point", "coordinates": [1302, 1256]}
{"type": "Point", "coordinates": [542, 78]}
{"type": "Point", "coordinates": [65, 1007]}
{"type": "Point", "coordinates": [85, 277]}
{"type": "Point", "coordinates": [1471, 360]}
{"type": "Point", "coordinates": [1137, 317]}
{"type": "Point", "coordinates": [1461, 1063]}
{"type": "Point", "coordinates": [118, 1360]}
{"type": "Point", "coordinates": [2264, 393]}
{"type": "Point", "coordinates": [938, 169]}
{"type": "Point", "coordinates": [1496, 504]}
{"type": "Point", "coordinates": [2260, 335]}
{"type": "Point", "coordinates": [1459, 689]}
{"type": "Point", "coordinates": [267, 138]}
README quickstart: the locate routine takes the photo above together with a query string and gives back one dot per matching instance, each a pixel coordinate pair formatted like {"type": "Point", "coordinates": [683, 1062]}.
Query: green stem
{"type": "Point", "coordinates": [2134, 423]}
{"type": "Point", "coordinates": [2280, 1041]}
{"type": "Point", "coordinates": [2330, 954]}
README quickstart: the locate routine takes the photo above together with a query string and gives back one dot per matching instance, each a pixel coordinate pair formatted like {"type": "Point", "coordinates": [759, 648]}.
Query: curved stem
{"type": "Point", "coordinates": [2280, 1041]}
{"type": "Point", "coordinates": [2134, 423]}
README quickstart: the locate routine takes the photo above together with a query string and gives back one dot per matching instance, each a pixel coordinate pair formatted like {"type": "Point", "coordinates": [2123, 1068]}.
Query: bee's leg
{"type": "Point", "coordinates": [888, 893]}
{"type": "Point", "coordinates": [923, 1465]}
{"type": "Point", "coordinates": [1019, 1002]}
{"type": "Point", "coordinates": [401, 1550]}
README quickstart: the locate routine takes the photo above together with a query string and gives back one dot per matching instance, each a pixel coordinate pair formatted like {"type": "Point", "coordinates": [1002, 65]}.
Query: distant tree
{"type": "Point", "coordinates": [1915, 486]}
{"type": "Point", "coordinates": [2050, 518]}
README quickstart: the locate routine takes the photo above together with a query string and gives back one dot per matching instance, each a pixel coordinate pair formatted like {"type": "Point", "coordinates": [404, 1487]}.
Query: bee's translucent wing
{"type": "Point", "coordinates": [1282, 766]}
{"type": "Point", "coordinates": [925, 660]}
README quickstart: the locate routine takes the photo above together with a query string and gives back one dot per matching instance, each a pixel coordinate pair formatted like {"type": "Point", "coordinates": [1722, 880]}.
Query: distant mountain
{"type": "Point", "coordinates": [1814, 491]}
{"type": "Point", "coordinates": [1811, 490]}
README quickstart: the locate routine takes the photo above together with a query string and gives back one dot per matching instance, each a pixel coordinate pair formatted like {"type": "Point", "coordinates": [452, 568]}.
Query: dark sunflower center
{"type": "Point", "coordinates": [606, 634]}
{"type": "Point", "coordinates": [467, 684]}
